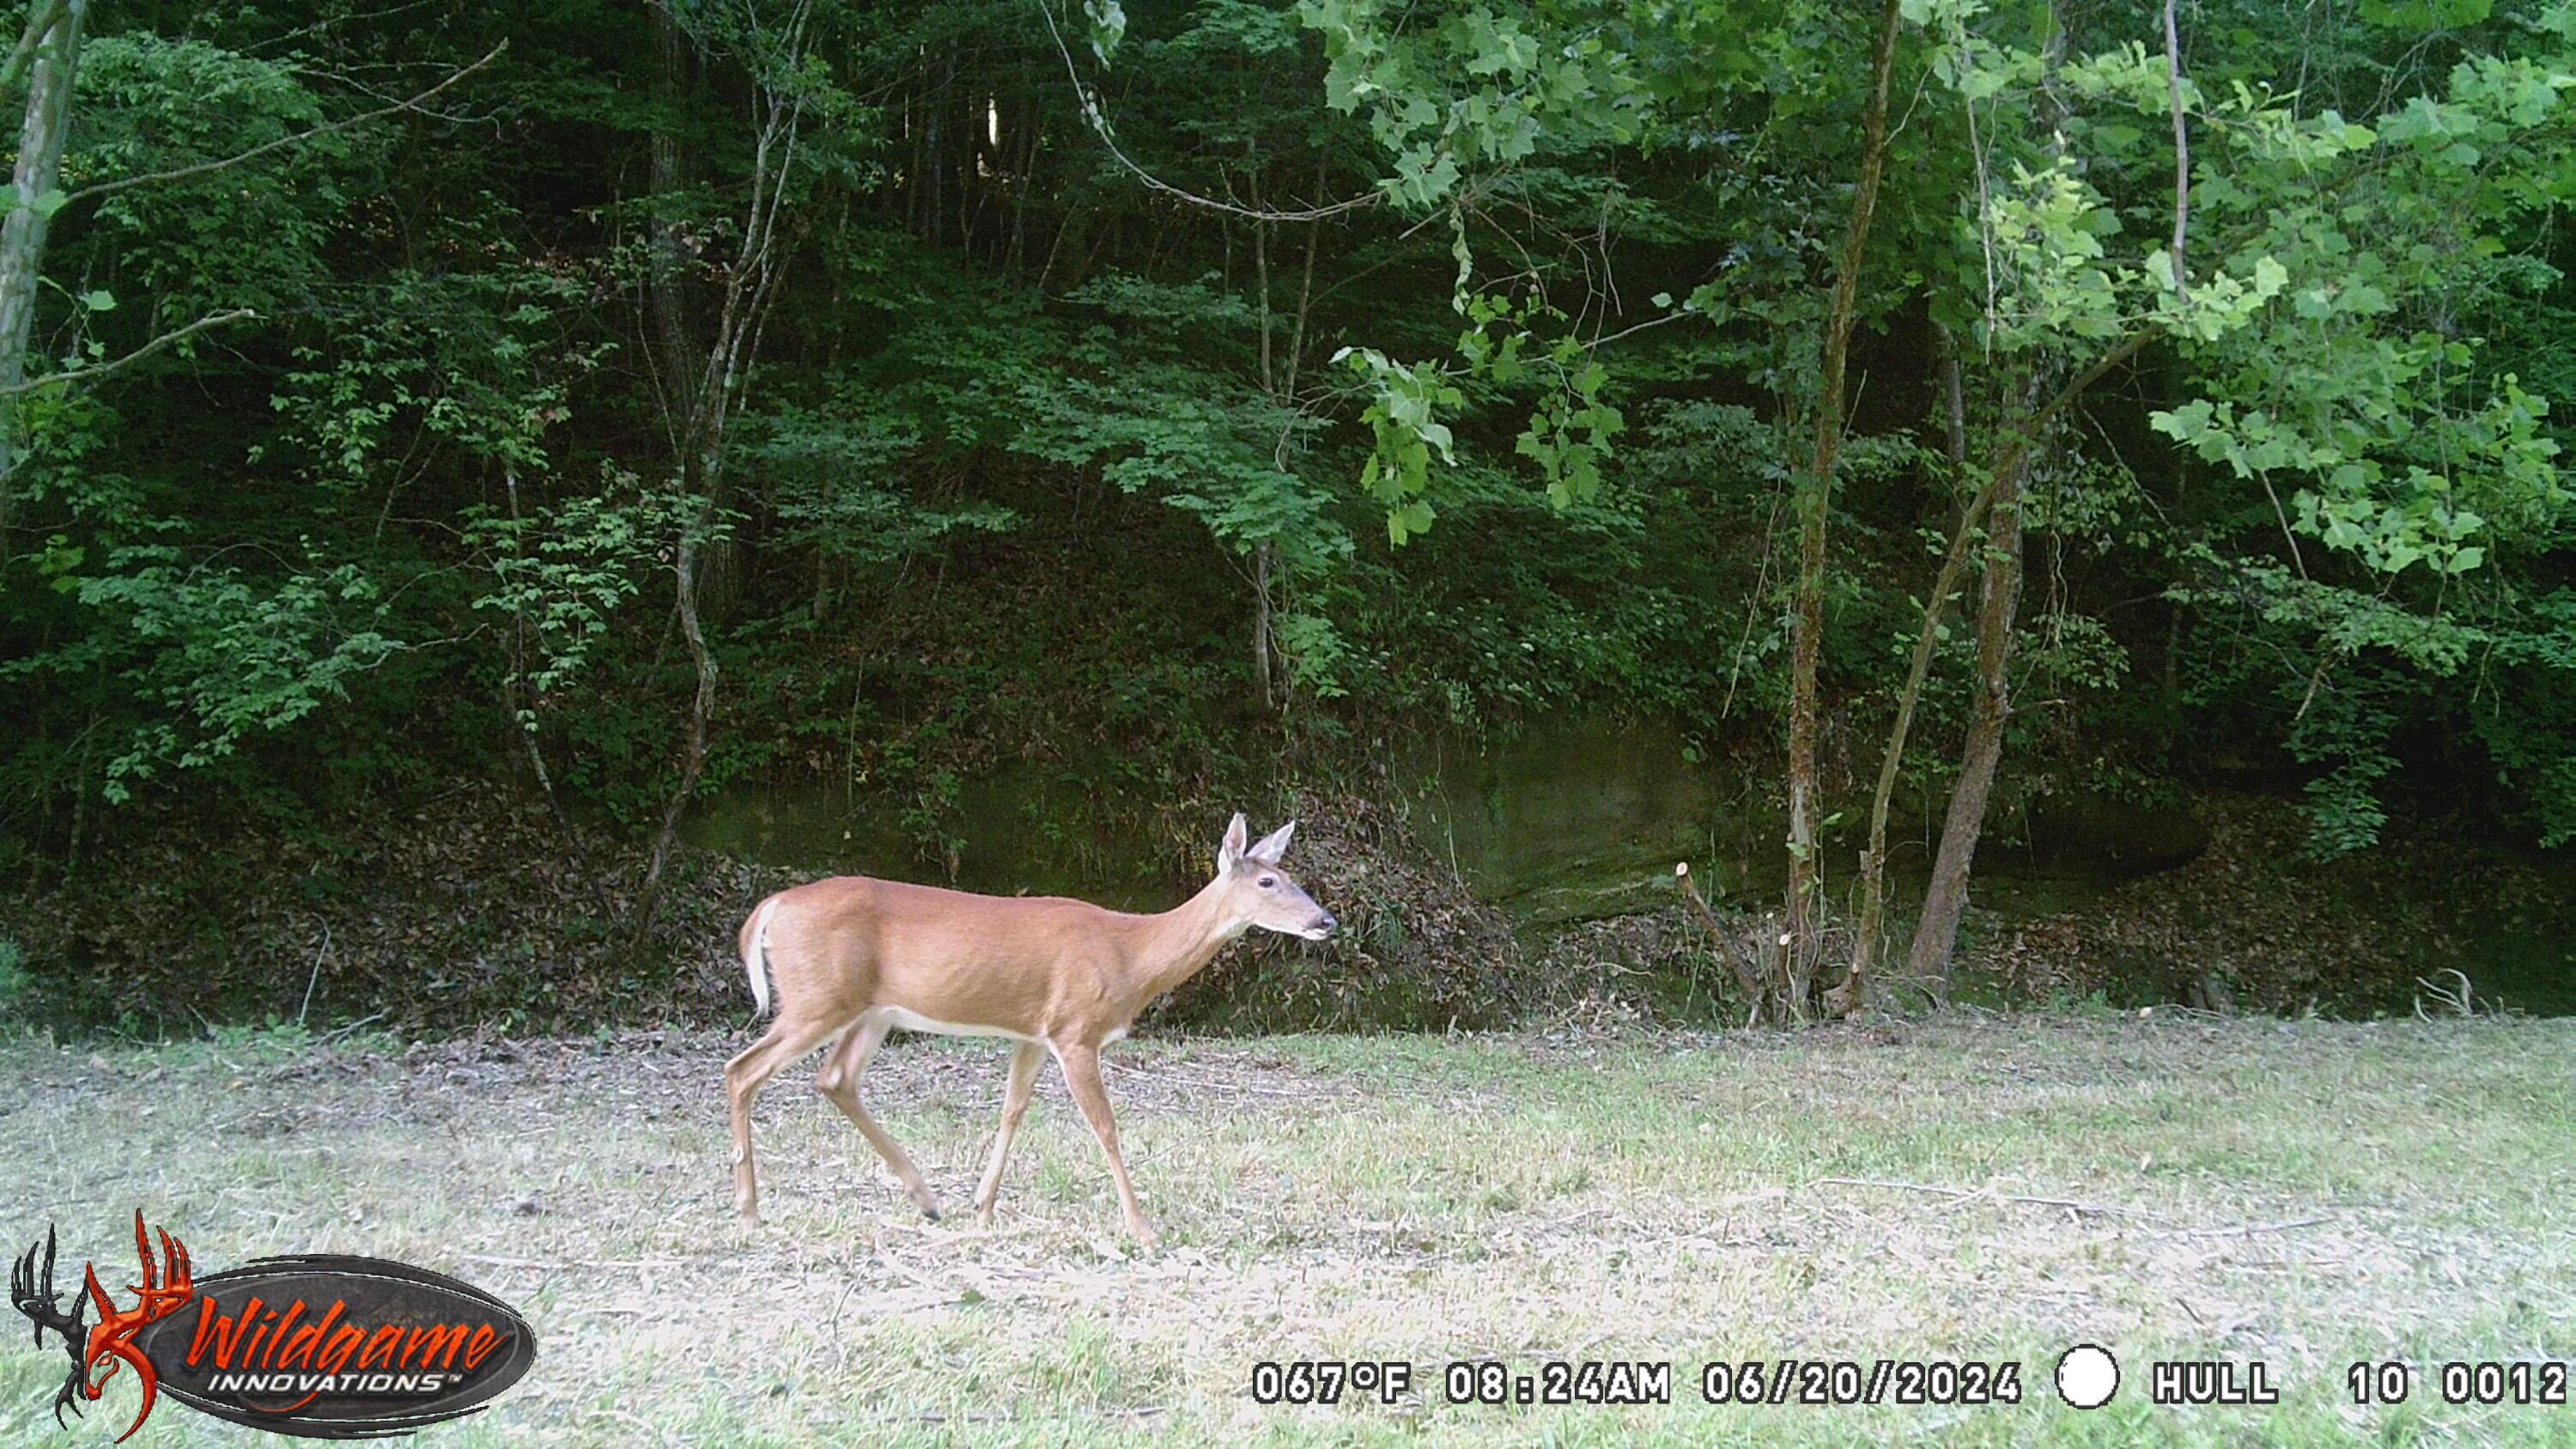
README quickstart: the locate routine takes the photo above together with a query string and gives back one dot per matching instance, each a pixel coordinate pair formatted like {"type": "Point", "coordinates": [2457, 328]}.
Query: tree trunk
{"type": "Point", "coordinates": [1936, 930]}
{"type": "Point", "coordinates": [50, 47]}
{"type": "Point", "coordinates": [667, 174]}
{"type": "Point", "coordinates": [1805, 925]}
{"type": "Point", "coordinates": [1947, 896]}
{"type": "Point", "coordinates": [1269, 389]}
{"type": "Point", "coordinates": [1847, 997]}
{"type": "Point", "coordinates": [698, 420]}
{"type": "Point", "coordinates": [693, 763]}
{"type": "Point", "coordinates": [2007, 468]}
{"type": "Point", "coordinates": [683, 368]}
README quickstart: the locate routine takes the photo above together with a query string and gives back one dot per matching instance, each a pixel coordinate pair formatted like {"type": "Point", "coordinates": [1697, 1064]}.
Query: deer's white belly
{"type": "Point", "coordinates": [915, 1021]}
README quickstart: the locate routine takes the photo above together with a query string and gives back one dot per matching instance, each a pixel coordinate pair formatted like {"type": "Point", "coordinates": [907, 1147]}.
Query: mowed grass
{"type": "Point", "coordinates": [2302, 1195]}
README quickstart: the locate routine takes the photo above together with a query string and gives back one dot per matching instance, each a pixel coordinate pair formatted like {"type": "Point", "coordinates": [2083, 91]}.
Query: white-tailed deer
{"type": "Point", "coordinates": [854, 958]}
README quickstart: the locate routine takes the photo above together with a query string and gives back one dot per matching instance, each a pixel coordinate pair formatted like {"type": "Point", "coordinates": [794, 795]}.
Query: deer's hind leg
{"type": "Point", "coordinates": [744, 1077]}
{"type": "Point", "coordinates": [839, 1081]}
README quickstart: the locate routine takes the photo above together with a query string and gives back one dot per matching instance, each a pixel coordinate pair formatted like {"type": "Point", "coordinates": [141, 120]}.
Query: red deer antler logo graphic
{"type": "Point", "coordinates": [110, 1341]}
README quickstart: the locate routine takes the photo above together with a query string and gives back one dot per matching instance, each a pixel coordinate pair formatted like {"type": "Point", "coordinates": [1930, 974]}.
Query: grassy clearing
{"type": "Point", "coordinates": [2303, 1194]}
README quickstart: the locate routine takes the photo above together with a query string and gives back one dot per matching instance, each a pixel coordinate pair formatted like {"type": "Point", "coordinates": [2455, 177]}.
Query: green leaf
{"type": "Point", "coordinates": [1401, 523]}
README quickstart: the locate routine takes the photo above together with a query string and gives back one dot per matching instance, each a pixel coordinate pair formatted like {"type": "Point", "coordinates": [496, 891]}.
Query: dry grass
{"type": "Point", "coordinates": [2302, 1194]}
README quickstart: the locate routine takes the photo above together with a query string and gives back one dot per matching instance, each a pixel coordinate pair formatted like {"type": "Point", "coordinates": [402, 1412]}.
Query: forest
{"type": "Point", "coordinates": [454, 459]}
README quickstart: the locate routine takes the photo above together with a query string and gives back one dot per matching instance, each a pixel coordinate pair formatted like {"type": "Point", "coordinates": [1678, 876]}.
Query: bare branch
{"type": "Point", "coordinates": [304, 30]}
{"type": "Point", "coordinates": [1091, 112]}
{"type": "Point", "coordinates": [2182, 150]}
{"type": "Point", "coordinates": [281, 143]}
{"type": "Point", "coordinates": [92, 374]}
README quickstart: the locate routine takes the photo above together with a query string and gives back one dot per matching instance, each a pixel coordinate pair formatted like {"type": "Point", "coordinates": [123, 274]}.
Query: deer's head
{"type": "Point", "coordinates": [1260, 893]}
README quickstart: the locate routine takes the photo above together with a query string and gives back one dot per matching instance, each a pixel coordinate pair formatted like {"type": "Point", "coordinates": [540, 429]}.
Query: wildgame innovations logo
{"type": "Point", "coordinates": [326, 1346]}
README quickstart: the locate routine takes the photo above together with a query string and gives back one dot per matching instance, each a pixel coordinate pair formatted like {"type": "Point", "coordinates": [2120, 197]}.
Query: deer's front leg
{"type": "Point", "coordinates": [1081, 1066]}
{"type": "Point", "coordinates": [1015, 1103]}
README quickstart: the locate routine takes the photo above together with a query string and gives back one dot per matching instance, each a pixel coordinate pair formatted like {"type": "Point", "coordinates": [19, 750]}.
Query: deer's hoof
{"type": "Point", "coordinates": [931, 1213]}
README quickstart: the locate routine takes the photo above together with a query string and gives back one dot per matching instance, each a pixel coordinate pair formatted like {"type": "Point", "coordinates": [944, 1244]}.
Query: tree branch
{"type": "Point", "coordinates": [105, 188]}
{"type": "Point", "coordinates": [38, 27]}
{"type": "Point", "coordinates": [91, 374]}
{"type": "Point", "coordinates": [2182, 150]}
{"type": "Point", "coordinates": [1091, 112]}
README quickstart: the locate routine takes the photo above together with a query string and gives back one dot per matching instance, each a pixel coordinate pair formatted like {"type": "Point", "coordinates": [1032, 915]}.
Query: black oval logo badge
{"type": "Point", "coordinates": [327, 1346]}
{"type": "Point", "coordinates": [339, 1347]}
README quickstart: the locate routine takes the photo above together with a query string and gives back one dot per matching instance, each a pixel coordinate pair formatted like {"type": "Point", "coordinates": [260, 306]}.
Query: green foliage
{"type": "Point", "coordinates": [215, 653]}
{"type": "Point", "coordinates": [1403, 436]}
{"type": "Point", "coordinates": [561, 578]}
{"type": "Point", "coordinates": [1449, 88]}
{"type": "Point", "coordinates": [1038, 463]}
{"type": "Point", "coordinates": [251, 236]}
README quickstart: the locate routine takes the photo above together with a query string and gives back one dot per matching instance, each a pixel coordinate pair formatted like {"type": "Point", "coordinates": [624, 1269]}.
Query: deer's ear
{"type": "Point", "coordinates": [1273, 845]}
{"type": "Point", "coordinates": [1231, 849]}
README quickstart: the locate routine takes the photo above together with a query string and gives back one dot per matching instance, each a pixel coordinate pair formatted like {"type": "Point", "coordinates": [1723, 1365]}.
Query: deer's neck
{"type": "Point", "coordinates": [1174, 946]}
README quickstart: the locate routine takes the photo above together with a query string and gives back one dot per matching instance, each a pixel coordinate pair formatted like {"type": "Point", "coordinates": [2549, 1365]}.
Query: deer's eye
{"type": "Point", "coordinates": [1267, 882]}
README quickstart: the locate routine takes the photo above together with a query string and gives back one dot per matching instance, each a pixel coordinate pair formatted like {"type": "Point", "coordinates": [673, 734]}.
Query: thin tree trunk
{"type": "Point", "coordinates": [934, 197]}
{"type": "Point", "coordinates": [517, 694]}
{"type": "Point", "coordinates": [1274, 689]}
{"type": "Point", "coordinates": [1947, 896]}
{"type": "Point", "coordinates": [1805, 925]}
{"type": "Point", "coordinates": [1305, 301]}
{"type": "Point", "coordinates": [693, 762]}
{"type": "Point", "coordinates": [1261, 623]}
{"type": "Point", "coordinates": [682, 370]}
{"type": "Point", "coordinates": [667, 173]}
{"type": "Point", "coordinates": [1747, 976]}
{"type": "Point", "coordinates": [1269, 388]}
{"type": "Point", "coordinates": [1023, 181]}
{"type": "Point", "coordinates": [1954, 402]}
{"type": "Point", "coordinates": [1847, 997]}
{"type": "Point", "coordinates": [741, 319]}
{"type": "Point", "coordinates": [50, 48]}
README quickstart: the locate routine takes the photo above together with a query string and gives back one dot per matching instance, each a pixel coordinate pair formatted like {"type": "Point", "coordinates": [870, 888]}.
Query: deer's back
{"type": "Point", "coordinates": [946, 955]}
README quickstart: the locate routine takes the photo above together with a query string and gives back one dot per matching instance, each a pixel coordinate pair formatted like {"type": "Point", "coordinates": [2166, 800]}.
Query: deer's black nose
{"type": "Point", "coordinates": [1328, 922]}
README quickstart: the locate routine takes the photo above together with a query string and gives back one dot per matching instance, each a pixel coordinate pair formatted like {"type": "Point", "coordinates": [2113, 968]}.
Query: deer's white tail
{"type": "Point", "coordinates": [755, 954]}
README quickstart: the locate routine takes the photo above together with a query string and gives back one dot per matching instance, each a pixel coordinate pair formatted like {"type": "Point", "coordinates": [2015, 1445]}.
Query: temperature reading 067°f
{"type": "Point", "coordinates": [1326, 1380]}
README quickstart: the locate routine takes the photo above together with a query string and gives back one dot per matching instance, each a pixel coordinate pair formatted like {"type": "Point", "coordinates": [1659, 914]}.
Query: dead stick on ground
{"type": "Point", "coordinates": [629, 1263]}
{"type": "Point", "coordinates": [1209, 1084]}
{"type": "Point", "coordinates": [2246, 1231]}
{"type": "Point", "coordinates": [2057, 1202]}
